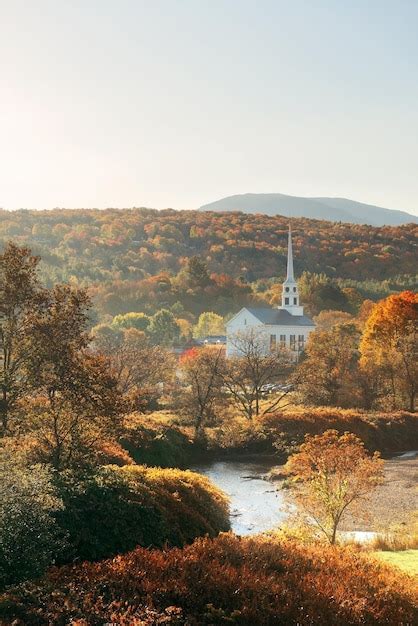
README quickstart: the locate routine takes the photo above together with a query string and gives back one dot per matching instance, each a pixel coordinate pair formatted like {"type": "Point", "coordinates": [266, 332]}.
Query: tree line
{"type": "Point", "coordinates": [146, 260]}
{"type": "Point", "coordinates": [65, 388]}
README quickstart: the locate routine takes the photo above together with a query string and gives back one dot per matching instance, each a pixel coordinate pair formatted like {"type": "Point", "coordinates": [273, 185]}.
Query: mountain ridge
{"type": "Point", "coordinates": [325, 208]}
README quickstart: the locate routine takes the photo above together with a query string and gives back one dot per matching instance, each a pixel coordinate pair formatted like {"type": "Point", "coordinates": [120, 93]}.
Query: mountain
{"type": "Point", "coordinates": [333, 209]}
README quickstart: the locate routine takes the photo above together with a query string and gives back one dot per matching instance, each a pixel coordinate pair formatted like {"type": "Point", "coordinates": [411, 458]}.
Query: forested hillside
{"type": "Point", "coordinates": [139, 259]}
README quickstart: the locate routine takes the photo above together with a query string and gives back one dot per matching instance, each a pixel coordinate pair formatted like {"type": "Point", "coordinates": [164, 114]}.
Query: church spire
{"type": "Point", "coordinates": [290, 291]}
{"type": "Point", "coordinates": [290, 275]}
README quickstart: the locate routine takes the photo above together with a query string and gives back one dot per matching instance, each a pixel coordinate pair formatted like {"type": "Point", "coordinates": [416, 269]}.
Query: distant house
{"type": "Point", "coordinates": [284, 326]}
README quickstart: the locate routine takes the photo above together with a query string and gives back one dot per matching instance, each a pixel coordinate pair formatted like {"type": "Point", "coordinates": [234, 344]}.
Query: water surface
{"type": "Point", "coordinates": [256, 504]}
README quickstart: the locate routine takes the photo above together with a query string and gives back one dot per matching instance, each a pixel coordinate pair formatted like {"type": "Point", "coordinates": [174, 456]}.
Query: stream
{"type": "Point", "coordinates": [256, 504]}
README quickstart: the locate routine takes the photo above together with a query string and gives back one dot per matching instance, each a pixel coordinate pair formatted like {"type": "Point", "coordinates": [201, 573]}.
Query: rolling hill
{"type": "Point", "coordinates": [333, 209]}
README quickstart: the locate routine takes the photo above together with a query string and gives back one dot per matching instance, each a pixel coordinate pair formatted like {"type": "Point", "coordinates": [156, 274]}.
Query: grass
{"type": "Point", "coordinates": [405, 560]}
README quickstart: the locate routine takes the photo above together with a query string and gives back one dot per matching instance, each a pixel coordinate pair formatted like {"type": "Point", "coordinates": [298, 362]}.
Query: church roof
{"type": "Point", "coordinates": [279, 317]}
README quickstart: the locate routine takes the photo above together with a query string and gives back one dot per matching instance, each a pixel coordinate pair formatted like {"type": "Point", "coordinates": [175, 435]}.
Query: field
{"type": "Point", "coordinates": [405, 560]}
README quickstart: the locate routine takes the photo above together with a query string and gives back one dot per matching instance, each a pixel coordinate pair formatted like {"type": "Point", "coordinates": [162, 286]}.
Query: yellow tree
{"type": "Point", "coordinates": [390, 345]}
{"type": "Point", "coordinates": [333, 474]}
{"type": "Point", "coordinates": [209, 323]}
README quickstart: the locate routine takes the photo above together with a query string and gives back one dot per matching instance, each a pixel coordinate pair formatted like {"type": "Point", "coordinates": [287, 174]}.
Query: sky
{"type": "Point", "coordinates": [177, 103]}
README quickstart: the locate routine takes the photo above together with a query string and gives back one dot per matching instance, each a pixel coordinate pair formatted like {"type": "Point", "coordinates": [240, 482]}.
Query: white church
{"type": "Point", "coordinates": [284, 326]}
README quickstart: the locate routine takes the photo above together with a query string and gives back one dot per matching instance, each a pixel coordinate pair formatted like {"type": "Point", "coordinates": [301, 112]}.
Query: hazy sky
{"type": "Point", "coordinates": [179, 102]}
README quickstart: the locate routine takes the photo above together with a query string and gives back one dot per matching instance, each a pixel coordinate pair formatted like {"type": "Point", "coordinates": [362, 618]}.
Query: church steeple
{"type": "Point", "coordinates": [290, 275]}
{"type": "Point", "coordinates": [290, 291]}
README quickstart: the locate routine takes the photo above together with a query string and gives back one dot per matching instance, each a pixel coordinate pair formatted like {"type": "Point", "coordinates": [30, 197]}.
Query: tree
{"type": "Point", "coordinates": [75, 401]}
{"type": "Point", "coordinates": [328, 372]}
{"type": "Point", "coordinates": [197, 273]}
{"type": "Point", "coordinates": [185, 329]}
{"type": "Point", "coordinates": [246, 375]}
{"type": "Point", "coordinates": [364, 312]}
{"type": "Point", "coordinates": [139, 321]}
{"type": "Point", "coordinates": [163, 328]}
{"type": "Point", "coordinates": [209, 323]}
{"type": "Point", "coordinates": [140, 369]}
{"type": "Point", "coordinates": [30, 538]}
{"type": "Point", "coordinates": [318, 292]}
{"type": "Point", "coordinates": [327, 319]}
{"type": "Point", "coordinates": [390, 345]}
{"type": "Point", "coordinates": [333, 474]}
{"type": "Point", "coordinates": [202, 394]}
{"type": "Point", "coordinates": [19, 287]}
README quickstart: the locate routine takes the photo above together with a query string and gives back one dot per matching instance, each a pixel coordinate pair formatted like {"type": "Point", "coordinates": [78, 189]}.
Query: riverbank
{"type": "Point", "coordinates": [259, 502]}
{"type": "Point", "coordinates": [165, 439]}
{"type": "Point", "coordinates": [395, 501]}
{"type": "Point", "coordinates": [392, 504]}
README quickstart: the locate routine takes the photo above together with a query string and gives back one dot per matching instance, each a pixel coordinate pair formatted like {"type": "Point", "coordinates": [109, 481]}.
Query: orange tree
{"type": "Point", "coordinates": [332, 474]}
{"type": "Point", "coordinates": [389, 346]}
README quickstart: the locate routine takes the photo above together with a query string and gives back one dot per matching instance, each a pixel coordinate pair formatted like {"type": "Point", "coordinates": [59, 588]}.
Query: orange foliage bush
{"type": "Point", "coordinates": [227, 580]}
{"type": "Point", "coordinates": [386, 432]}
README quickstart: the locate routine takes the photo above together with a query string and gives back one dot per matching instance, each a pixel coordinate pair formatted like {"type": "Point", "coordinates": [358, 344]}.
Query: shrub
{"type": "Point", "coordinates": [115, 509]}
{"type": "Point", "coordinates": [152, 443]}
{"type": "Point", "coordinates": [257, 581]}
{"type": "Point", "coordinates": [30, 538]}
{"type": "Point", "coordinates": [398, 537]}
{"type": "Point", "coordinates": [385, 432]}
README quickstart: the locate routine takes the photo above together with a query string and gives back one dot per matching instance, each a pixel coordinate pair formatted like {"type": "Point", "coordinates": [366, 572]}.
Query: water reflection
{"type": "Point", "coordinates": [256, 505]}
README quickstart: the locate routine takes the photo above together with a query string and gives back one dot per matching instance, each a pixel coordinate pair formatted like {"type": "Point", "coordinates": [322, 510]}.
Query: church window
{"type": "Point", "coordinates": [295, 300]}
{"type": "Point", "coordinates": [286, 300]}
{"type": "Point", "coordinates": [273, 343]}
{"type": "Point", "coordinates": [293, 342]}
{"type": "Point", "coordinates": [301, 342]}
{"type": "Point", "coordinates": [282, 341]}
{"type": "Point", "coordinates": [287, 289]}
{"type": "Point", "coordinates": [294, 289]}
{"type": "Point", "coordinates": [245, 321]}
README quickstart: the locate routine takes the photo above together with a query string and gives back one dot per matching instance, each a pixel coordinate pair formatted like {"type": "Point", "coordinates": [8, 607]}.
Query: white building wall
{"type": "Point", "coordinates": [244, 321]}
{"type": "Point", "coordinates": [239, 324]}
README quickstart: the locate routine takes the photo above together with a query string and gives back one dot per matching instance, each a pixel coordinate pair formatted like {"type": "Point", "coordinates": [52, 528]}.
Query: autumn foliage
{"type": "Point", "coordinates": [333, 475]}
{"type": "Point", "coordinates": [258, 581]}
{"type": "Point", "coordinates": [137, 259]}
{"type": "Point", "coordinates": [389, 346]}
{"type": "Point", "coordinates": [387, 432]}
{"type": "Point", "coordinates": [114, 509]}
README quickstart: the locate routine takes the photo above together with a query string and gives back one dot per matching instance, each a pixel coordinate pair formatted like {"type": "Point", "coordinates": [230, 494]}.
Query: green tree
{"type": "Point", "coordinates": [318, 293]}
{"type": "Point", "coordinates": [163, 328]}
{"type": "Point", "coordinates": [30, 538]}
{"type": "Point", "coordinates": [19, 287]}
{"type": "Point", "coordinates": [197, 273]}
{"type": "Point", "coordinates": [139, 321]}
